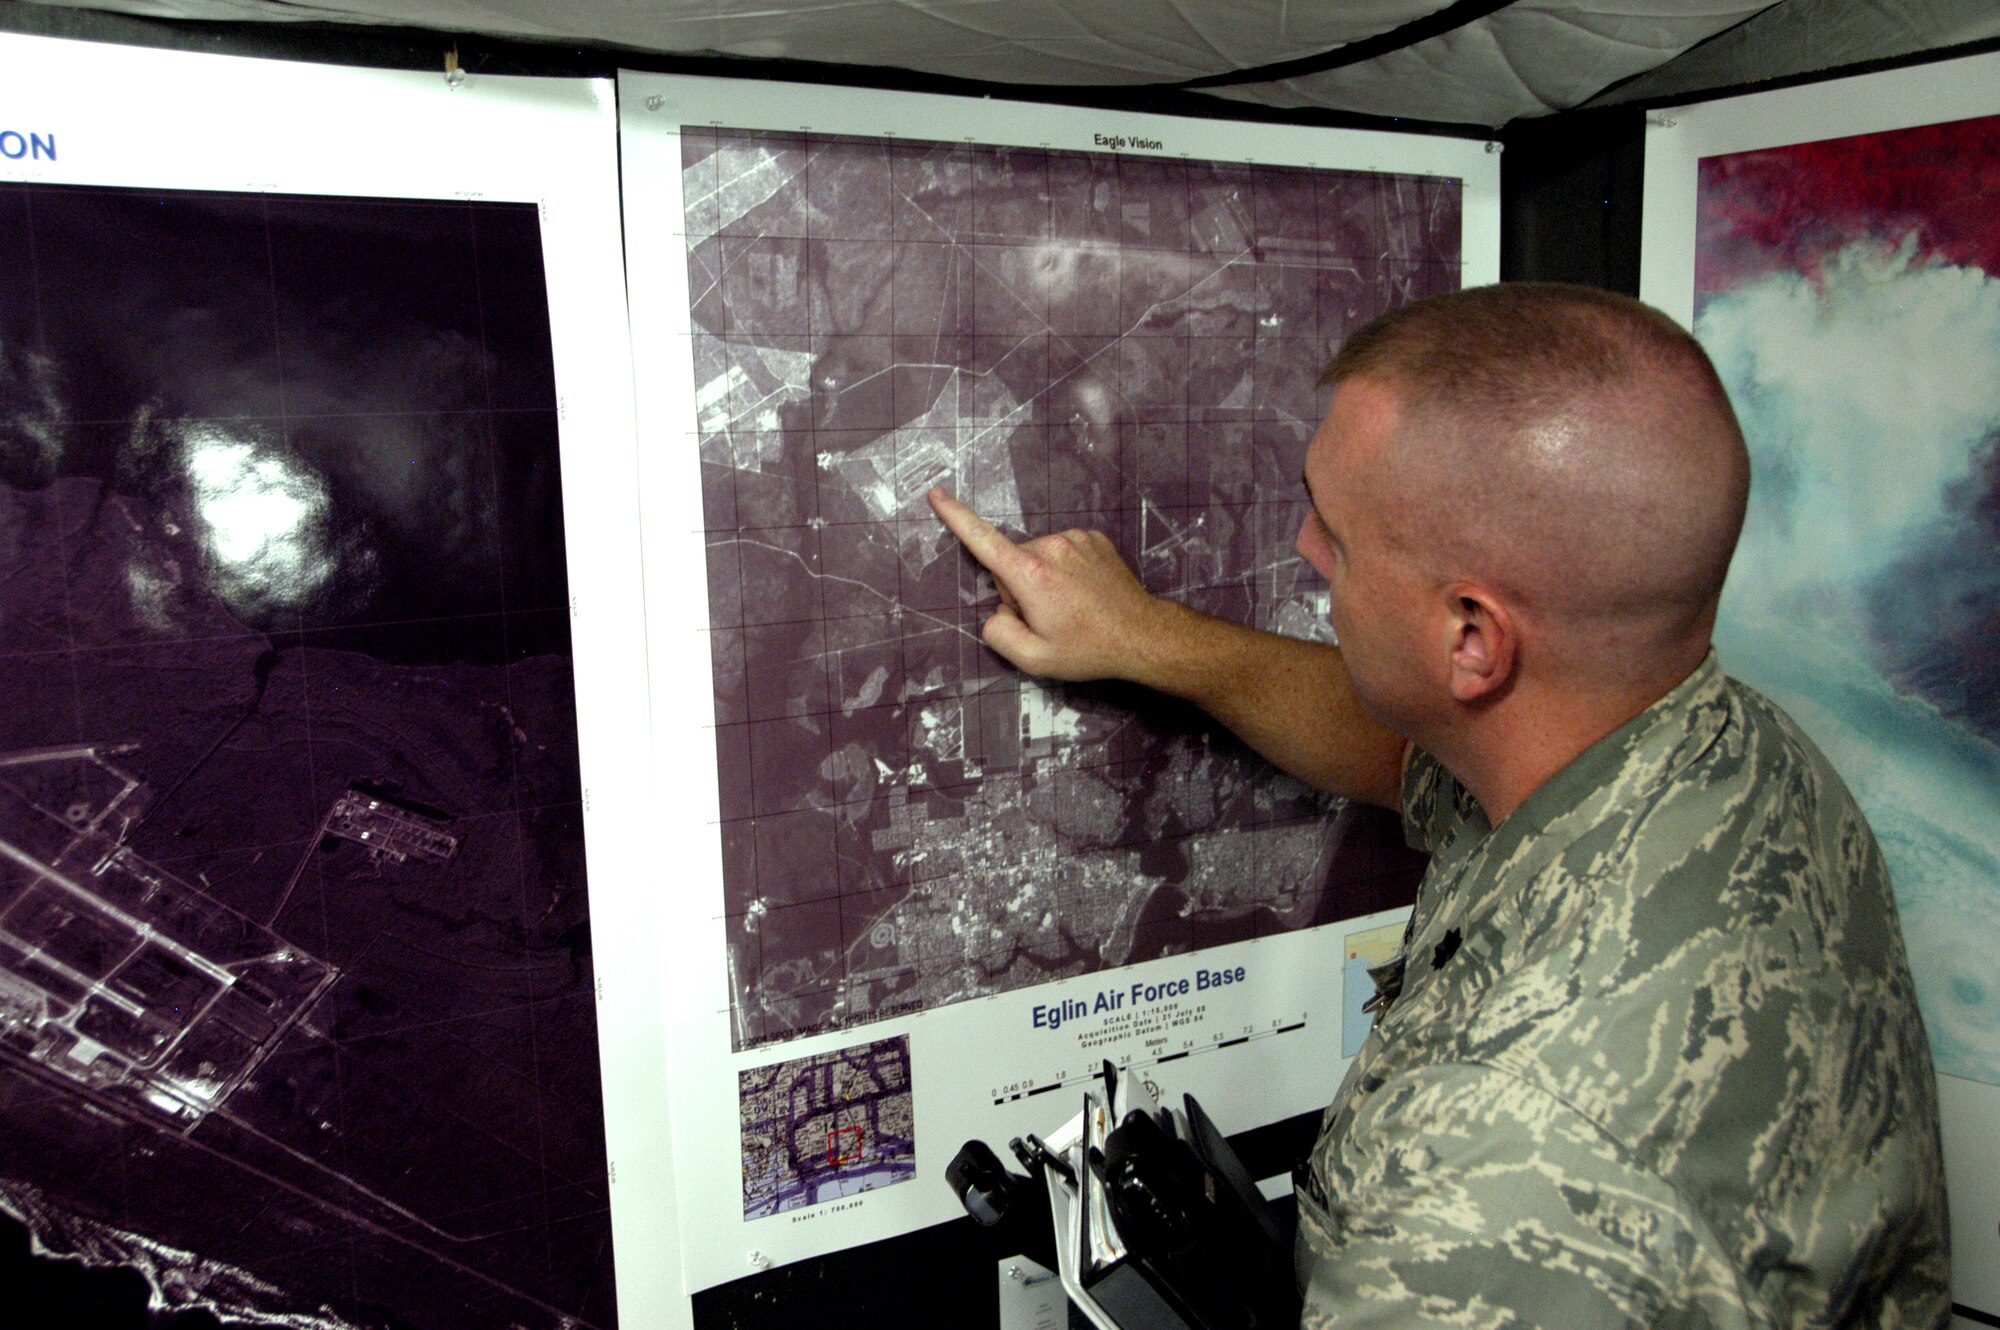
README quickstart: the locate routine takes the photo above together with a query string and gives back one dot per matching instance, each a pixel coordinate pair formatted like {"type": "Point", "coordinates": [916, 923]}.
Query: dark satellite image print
{"type": "Point", "coordinates": [295, 968]}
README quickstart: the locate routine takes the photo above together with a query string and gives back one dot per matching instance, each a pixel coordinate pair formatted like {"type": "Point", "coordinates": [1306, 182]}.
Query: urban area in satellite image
{"type": "Point", "coordinates": [1064, 339]}
{"type": "Point", "coordinates": [818, 1128]}
{"type": "Point", "coordinates": [296, 1022]}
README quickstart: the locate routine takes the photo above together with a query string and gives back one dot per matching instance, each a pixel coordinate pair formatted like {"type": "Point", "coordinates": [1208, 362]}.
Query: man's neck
{"type": "Point", "coordinates": [1504, 754]}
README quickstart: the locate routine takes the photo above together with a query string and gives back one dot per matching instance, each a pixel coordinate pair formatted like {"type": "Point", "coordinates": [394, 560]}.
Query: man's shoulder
{"type": "Point", "coordinates": [1740, 775]}
{"type": "Point", "coordinates": [1734, 958]}
{"type": "Point", "coordinates": [1766, 791]}
{"type": "Point", "coordinates": [1713, 754]}
{"type": "Point", "coordinates": [1778, 746]}
{"type": "Point", "coordinates": [1724, 843]}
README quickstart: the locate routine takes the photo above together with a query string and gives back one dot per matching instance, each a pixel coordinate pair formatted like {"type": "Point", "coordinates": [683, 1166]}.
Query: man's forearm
{"type": "Point", "coordinates": [1072, 609]}
{"type": "Point", "coordinates": [1290, 700]}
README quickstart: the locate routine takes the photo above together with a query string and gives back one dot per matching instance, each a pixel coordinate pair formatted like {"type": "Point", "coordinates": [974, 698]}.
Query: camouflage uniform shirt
{"type": "Point", "coordinates": [1652, 1059]}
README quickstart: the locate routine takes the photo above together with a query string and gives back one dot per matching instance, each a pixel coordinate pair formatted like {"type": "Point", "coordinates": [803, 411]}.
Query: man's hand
{"type": "Point", "coordinates": [1070, 607]}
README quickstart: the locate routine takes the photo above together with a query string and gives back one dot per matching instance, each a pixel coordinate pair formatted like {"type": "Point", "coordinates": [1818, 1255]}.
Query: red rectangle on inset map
{"type": "Point", "coordinates": [840, 1152]}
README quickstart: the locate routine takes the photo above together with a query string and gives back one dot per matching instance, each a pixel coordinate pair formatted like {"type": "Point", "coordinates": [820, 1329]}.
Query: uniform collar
{"type": "Point", "coordinates": [1624, 765]}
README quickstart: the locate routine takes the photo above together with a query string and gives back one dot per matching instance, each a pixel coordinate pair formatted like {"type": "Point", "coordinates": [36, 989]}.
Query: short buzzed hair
{"type": "Point", "coordinates": [1569, 443]}
{"type": "Point", "coordinates": [1513, 351]}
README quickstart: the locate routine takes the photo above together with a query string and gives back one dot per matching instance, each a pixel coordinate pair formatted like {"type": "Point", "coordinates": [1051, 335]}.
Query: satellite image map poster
{"type": "Point", "coordinates": [1847, 285]}
{"type": "Point", "coordinates": [1065, 339]}
{"type": "Point", "coordinates": [297, 1014]}
{"type": "Point", "coordinates": [1067, 324]}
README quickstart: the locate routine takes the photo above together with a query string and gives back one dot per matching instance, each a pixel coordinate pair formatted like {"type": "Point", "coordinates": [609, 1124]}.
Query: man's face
{"type": "Point", "coordinates": [1376, 597]}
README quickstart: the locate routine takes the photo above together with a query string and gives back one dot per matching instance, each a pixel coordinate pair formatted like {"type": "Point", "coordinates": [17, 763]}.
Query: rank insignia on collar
{"type": "Point", "coordinates": [1445, 949]}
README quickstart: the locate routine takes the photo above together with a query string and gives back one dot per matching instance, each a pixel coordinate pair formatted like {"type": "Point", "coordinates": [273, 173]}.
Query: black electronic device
{"type": "Point", "coordinates": [1201, 1246]}
{"type": "Point", "coordinates": [1155, 1223]}
{"type": "Point", "coordinates": [1014, 1207]}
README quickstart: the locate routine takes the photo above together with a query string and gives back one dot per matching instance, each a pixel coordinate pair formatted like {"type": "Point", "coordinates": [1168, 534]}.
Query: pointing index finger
{"type": "Point", "coordinates": [1000, 555]}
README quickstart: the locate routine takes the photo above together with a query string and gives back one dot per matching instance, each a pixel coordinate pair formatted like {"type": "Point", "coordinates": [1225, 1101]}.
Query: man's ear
{"type": "Point", "coordinates": [1485, 639]}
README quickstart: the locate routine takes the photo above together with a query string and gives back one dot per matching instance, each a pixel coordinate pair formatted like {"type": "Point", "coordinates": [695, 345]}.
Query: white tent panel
{"type": "Point", "coordinates": [1528, 58]}
{"type": "Point", "coordinates": [1077, 42]}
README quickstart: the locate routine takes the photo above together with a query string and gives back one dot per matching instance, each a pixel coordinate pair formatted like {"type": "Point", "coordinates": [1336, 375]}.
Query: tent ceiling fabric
{"type": "Point", "coordinates": [1531, 58]}
{"type": "Point", "coordinates": [1806, 36]}
{"type": "Point", "coordinates": [1527, 58]}
{"type": "Point", "coordinates": [1076, 42]}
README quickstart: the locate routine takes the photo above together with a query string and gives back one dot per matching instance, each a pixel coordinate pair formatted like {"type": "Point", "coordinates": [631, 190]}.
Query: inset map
{"type": "Point", "coordinates": [818, 1128]}
{"type": "Point", "coordinates": [1065, 340]}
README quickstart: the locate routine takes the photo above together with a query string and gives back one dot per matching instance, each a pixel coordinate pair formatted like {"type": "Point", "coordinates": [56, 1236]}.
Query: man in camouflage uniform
{"type": "Point", "coordinates": [1652, 1059]}
{"type": "Point", "coordinates": [1651, 1056]}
